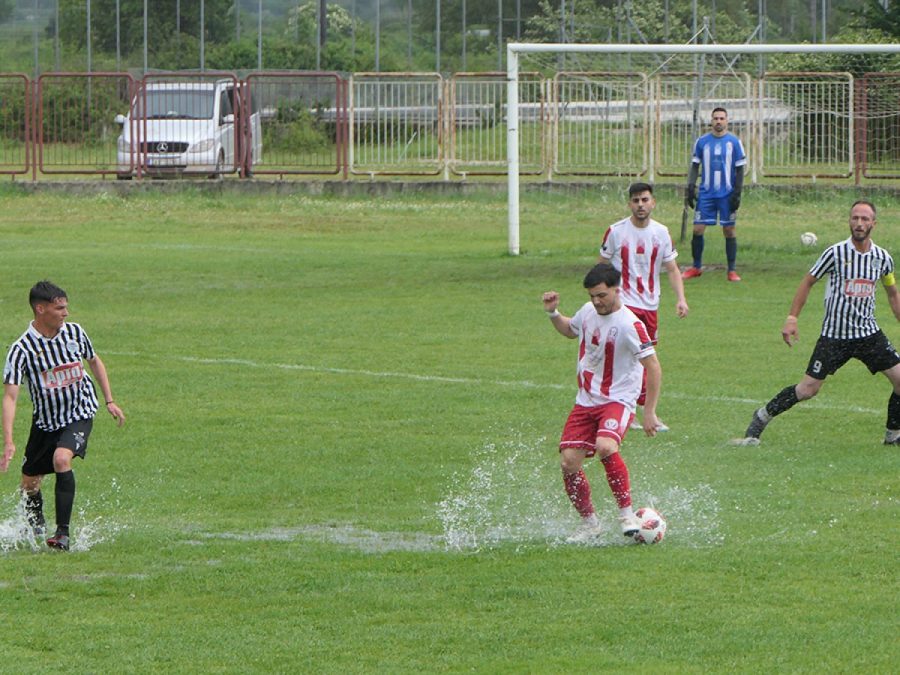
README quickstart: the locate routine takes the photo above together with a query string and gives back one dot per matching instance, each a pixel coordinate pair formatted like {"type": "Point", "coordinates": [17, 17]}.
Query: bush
{"type": "Point", "coordinates": [299, 130]}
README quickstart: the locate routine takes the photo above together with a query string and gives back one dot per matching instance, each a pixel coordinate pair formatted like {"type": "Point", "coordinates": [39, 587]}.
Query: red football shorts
{"type": "Point", "coordinates": [650, 318]}
{"type": "Point", "coordinates": [585, 424]}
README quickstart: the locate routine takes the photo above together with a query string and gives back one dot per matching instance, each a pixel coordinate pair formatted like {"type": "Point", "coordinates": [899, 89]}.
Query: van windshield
{"type": "Point", "coordinates": [176, 104]}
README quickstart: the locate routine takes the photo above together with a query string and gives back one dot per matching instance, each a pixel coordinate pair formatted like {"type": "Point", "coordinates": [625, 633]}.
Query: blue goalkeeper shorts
{"type": "Point", "coordinates": [713, 210]}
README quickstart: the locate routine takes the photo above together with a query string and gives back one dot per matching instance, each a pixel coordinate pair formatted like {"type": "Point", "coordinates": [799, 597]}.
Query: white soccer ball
{"type": "Point", "coordinates": [809, 238]}
{"type": "Point", "coordinates": [653, 526]}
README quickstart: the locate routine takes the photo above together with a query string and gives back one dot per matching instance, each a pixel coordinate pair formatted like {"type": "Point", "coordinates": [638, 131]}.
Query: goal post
{"type": "Point", "coordinates": [515, 49]}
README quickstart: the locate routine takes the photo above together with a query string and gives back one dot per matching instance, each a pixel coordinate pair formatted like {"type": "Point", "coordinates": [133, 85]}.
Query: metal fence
{"type": "Point", "coordinates": [397, 123]}
{"type": "Point", "coordinates": [477, 124]}
{"type": "Point", "coordinates": [16, 124]}
{"type": "Point", "coordinates": [794, 125]}
{"type": "Point", "coordinates": [600, 123]}
{"type": "Point", "coordinates": [878, 131]}
{"type": "Point", "coordinates": [303, 121]}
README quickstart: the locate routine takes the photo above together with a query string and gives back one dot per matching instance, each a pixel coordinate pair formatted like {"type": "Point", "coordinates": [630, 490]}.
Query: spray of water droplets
{"type": "Point", "coordinates": [514, 494]}
{"type": "Point", "coordinates": [16, 535]}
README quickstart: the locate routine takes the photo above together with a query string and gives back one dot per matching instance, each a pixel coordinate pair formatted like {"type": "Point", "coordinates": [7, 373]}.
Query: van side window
{"type": "Point", "coordinates": [225, 106]}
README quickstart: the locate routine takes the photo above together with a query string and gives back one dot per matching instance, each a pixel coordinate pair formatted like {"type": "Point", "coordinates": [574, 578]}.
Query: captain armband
{"type": "Point", "coordinates": [888, 280]}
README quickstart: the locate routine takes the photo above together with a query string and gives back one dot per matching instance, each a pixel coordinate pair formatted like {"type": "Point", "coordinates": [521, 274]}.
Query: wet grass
{"type": "Point", "coordinates": [340, 449]}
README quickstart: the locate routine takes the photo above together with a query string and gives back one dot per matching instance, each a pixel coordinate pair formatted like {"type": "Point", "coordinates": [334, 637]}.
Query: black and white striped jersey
{"type": "Point", "coordinates": [60, 390]}
{"type": "Point", "coordinates": [850, 293]}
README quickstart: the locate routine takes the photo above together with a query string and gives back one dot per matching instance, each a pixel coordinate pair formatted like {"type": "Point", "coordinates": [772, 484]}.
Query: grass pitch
{"type": "Point", "coordinates": [340, 453]}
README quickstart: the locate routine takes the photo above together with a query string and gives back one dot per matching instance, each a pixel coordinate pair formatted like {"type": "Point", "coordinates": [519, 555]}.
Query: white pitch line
{"type": "Point", "coordinates": [525, 384]}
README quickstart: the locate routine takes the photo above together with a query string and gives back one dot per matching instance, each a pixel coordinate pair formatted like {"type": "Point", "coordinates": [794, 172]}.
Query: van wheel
{"type": "Point", "coordinates": [220, 166]}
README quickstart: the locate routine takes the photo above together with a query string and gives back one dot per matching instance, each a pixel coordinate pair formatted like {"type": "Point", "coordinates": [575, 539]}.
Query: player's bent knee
{"type": "Point", "coordinates": [606, 447]}
{"type": "Point", "coordinates": [31, 484]}
{"type": "Point", "coordinates": [570, 461]}
{"type": "Point", "coordinates": [808, 391]}
{"type": "Point", "coordinates": [62, 460]}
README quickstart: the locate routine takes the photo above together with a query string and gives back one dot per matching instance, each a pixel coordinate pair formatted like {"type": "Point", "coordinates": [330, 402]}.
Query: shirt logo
{"type": "Point", "coordinates": [612, 425]}
{"type": "Point", "coordinates": [72, 348]}
{"type": "Point", "coordinates": [859, 288]}
{"type": "Point", "coordinates": [62, 376]}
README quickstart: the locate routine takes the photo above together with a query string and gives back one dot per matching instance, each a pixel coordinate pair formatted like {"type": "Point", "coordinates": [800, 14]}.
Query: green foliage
{"type": "Point", "coordinates": [80, 112]}
{"type": "Point", "coordinates": [161, 19]}
{"type": "Point", "coordinates": [876, 15]}
{"type": "Point", "coordinates": [298, 131]}
{"type": "Point", "coordinates": [856, 64]}
{"type": "Point", "coordinates": [12, 111]}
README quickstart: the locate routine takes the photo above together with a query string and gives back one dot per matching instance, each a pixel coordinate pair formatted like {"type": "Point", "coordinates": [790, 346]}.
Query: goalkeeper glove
{"type": "Point", "coordinates": [735, 202]}
{"type": "Point", "coordinates": [690, 196]}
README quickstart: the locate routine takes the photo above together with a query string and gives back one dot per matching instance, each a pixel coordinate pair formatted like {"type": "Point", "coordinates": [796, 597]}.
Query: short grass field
{"type": "Point", "coordinates": [341, 446]}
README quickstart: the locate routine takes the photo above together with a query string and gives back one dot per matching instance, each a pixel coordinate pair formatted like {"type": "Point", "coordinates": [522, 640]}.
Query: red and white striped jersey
{"type": "Point", "coordinates": [609, 352]}
{"type": "Point", "coordinates": [638, 253]}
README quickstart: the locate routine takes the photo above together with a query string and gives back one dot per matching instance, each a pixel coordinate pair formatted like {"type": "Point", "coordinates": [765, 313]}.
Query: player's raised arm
{"type": "Point", "coordinates": [560, 322]}
{"type": "Point", "coordinates": [789, 332]}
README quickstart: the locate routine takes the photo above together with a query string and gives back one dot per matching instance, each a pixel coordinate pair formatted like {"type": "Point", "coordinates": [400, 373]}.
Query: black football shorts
{"type": "Point", "coordinates": [38, 460]}
{"type": "Point", "coordinates": [875, 351]}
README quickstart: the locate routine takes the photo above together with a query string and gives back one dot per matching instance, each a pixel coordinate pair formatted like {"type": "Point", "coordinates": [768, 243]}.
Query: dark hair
{"type": "Point", "coordinates": [718, 109]}
{"type": "Point", "coordinates": [637, 188]}
{"type": "Point", "coordinates": [602, 273]}
{"type": "Point", "coordinates": [867, 203]}
{"type": "Point", "coordinates": [45, 291]}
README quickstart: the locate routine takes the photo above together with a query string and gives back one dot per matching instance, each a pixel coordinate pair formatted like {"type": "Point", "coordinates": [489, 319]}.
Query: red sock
{"type": "Point", "coordinates": [617, 477]}
{"type": "Point", "coordinates": [579, 491]}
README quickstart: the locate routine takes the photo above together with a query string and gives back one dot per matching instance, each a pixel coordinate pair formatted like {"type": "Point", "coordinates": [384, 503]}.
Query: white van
{"type": "Point", "coordinates": [188, 128]}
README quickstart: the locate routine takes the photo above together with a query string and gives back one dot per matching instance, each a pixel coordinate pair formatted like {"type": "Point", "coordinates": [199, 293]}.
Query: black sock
{"type": "Point", "coordinates": [697, 249]}
{"type": "Point", "coordinates": [893, 418]}
{"type": "Point", "coordinates": [784, 400]}
{"type": "Point", "coordinates": [731, 252]}
{"type": "Point", "coordinates": [34, 508]}
{"type": "Point", "coordinates": [65, 499]}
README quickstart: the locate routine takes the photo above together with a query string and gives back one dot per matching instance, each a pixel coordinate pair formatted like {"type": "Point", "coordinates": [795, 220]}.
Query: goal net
{"type": "Point", "coordinates": [635, 110]}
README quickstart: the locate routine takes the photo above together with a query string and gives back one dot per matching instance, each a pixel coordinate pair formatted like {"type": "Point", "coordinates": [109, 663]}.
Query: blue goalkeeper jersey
{"type": "Point", "coordinates": [718, 157]}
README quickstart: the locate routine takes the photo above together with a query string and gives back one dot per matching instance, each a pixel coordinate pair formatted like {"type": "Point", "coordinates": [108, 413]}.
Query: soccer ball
{"type": "Point", "coordinates": [653, 526]}
{"type": "Point", "coordinates": [808, 238]}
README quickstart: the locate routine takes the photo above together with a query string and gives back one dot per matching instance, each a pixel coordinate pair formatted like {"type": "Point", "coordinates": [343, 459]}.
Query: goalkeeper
{"type": "Point", "coordinates": [719, 160]}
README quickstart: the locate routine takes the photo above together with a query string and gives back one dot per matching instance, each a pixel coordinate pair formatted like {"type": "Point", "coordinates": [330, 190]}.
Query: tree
{"type": "Point", "coordinates": [162, 23]}
{"type": "Point", "coordinates": [6, 9]}
{"type": "Point", "coordinates": [873, 14]}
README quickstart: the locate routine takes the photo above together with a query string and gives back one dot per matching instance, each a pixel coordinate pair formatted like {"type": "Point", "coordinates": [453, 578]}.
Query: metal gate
{"type": "Point", "coordinates": [76, 130]}
{"type": "Point", "coordinates": [16, 113]}
{"type": "Point", "coordinates": [396, 123]}
{"type": "Point", "coordinates": [300, 120]}
{"type": "Point", "coordinates": [601, 124]}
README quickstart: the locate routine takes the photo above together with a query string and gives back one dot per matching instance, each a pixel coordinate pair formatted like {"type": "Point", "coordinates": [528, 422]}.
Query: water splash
{"type": "Point", "coordinates": [514, 494]}
{"type": "Point", "coordinates": [16, 535]}
{"type": "Point", "coordinates": [692, 514]}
